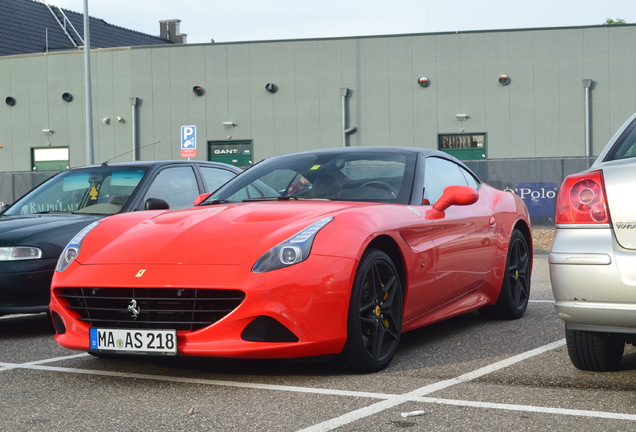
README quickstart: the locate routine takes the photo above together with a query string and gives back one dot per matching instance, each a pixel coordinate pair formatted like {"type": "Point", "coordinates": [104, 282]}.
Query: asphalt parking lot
{"type": "Point", "coordinates": [465, 374]}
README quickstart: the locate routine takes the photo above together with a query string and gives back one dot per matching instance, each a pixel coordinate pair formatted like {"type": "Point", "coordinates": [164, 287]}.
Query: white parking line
{"type": "Point", "coordinates": [533, 409]}
{"type": "Point", "coordinates": [390, 403]}
{"type": "Point", "coordinates": [387, 401]}
{"type": "Point", "coordinates": [8, 366]}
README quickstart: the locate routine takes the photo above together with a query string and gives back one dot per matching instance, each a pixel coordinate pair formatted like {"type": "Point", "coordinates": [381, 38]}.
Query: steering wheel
{"type": "Point", "coordinates": [377, 184]}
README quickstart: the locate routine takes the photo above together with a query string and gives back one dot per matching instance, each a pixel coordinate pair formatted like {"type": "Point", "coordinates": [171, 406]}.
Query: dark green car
{"type": "Point", "coordinates": [35, 229]}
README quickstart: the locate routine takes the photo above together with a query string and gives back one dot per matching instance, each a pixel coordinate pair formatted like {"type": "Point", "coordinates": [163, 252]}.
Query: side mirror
{"type": "Point", "coordinates": [453, 195]}
{"type": "Point", "coordinates": [156, 204]}
{"type": "Point", "coordinates": [198, 200]}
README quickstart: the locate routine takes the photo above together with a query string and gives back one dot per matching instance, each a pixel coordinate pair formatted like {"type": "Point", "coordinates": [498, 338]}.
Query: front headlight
{"type": "Point", "coordinates": [72, 249]}
{"type": "Point", "coordinates": [292, 251]}
{"type": "Point", "coordinates": [19, 253]}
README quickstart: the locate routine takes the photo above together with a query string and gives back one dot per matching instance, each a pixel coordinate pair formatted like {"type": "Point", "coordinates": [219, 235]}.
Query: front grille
{"type": "Point", "coordinates": [158, 308]}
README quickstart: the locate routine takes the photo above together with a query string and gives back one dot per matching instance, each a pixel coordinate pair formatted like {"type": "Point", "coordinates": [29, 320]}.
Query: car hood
{"type": "Point", "coordinates": [49, 232]}
{"type": "Point", "coordinates": [229, 234]}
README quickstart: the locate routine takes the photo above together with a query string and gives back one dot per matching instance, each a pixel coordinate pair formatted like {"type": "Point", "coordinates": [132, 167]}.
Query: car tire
{"type": "Point", "coordinates": [374, 322]}
{"type": "Point", "coordinates": [515, 287]}
{"type": "Point", "coordinates": [595, 351]}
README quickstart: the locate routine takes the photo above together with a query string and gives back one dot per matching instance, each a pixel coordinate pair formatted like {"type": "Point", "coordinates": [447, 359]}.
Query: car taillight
{"type": "Point", "coordinates": [582, 199]}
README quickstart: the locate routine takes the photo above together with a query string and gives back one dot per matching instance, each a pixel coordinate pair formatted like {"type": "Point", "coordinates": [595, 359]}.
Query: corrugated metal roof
{"type": "Point", "coordinates": [28, 26]}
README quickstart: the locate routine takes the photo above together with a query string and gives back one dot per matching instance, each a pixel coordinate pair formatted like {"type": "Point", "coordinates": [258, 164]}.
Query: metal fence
{"type": "Point", "coordinates": [15, 184]}
{"type": "Point", "coordinates": [535, 180]}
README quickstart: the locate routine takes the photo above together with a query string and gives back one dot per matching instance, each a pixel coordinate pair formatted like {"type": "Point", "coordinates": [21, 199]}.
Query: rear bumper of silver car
{"type": "Point", "coordinates": [595, 316]}
{"type": "Point", "coordinates": [593, 280]}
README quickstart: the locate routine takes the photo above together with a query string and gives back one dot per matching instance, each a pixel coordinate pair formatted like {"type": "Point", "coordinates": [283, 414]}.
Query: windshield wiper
{"type": "Point", "coordinates": [215, 201]}
{"type": "Point", "coordinates": [279, 198]}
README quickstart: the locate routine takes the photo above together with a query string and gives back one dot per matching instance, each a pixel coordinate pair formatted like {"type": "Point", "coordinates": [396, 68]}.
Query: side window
{"type": "Point", "coordinates": [214, 178]}
{"type": "Point", "coordinates": [255, 190]}
{"type": "Point", "coordinates": [625, 145]}
{"type": "Point", "coordinates": [438, 175]}
{"type": "Point", "coordinates": [280, 180]}
{"type": "Point", "coordinates": [470, 179]}
{"type": "Point", "coordinates": [177, 186]}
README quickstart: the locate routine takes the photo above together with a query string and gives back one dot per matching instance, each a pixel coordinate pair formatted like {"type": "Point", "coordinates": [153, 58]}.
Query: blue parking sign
{"type": "Point", "coordinates": [188, 141]}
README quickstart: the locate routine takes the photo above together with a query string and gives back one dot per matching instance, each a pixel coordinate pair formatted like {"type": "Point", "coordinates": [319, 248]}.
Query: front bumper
{"type": "Point", "coordinates": [593, 280]}
{"type": "Point", "coordinates": [310, 299]}
{"type": "Point", "coordinates": [25, 286]}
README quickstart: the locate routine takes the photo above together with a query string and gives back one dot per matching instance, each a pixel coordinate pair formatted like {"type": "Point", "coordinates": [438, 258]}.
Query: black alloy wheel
{"type": "Point", "coordinates": [374, 322]}
{"type": "Point", "coordinates": [515, 287]}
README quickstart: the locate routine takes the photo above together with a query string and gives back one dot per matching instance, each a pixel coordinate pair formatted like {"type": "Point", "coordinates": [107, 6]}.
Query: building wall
{"type": "Point", "coordinates": [540, 114]}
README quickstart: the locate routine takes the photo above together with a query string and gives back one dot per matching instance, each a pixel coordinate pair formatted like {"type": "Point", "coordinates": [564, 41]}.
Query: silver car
{"type": "Point", "coordinates": [593, 258]}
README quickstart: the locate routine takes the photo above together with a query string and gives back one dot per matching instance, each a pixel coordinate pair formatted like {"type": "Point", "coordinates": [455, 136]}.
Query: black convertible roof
{"type": "Point", "coordinates": [384, 149]}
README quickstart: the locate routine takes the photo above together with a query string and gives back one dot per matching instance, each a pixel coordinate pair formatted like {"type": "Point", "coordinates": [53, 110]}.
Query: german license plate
{"type": "Point", "coordinates": [158, 342]}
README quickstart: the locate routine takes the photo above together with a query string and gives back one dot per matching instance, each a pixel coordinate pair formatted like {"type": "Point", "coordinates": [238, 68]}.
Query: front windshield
{"type": "Point", "coordinates": [364, 175]}
{"type": "Point", "coordinates": [100, 190]}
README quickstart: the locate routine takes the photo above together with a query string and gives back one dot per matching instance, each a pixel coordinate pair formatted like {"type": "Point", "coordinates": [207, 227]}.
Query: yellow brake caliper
{"type": "Point", "coordinates": [377, 312]}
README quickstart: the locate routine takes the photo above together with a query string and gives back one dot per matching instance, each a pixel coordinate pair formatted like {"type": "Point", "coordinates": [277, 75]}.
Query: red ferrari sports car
{"type": "Point", "coordinates": [327, 252]}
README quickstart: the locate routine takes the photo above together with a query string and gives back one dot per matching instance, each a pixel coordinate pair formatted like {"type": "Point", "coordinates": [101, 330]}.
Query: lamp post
{"type": "Point", "coordinates": [90, 158]}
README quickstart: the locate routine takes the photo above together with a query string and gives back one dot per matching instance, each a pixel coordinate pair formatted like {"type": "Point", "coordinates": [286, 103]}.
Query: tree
{"type": "Point", "coordinates": [611, 21]}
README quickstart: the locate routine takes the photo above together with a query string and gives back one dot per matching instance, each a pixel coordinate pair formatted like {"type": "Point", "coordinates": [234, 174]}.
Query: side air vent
{"type": "Point", "coordinates": [267, 329]}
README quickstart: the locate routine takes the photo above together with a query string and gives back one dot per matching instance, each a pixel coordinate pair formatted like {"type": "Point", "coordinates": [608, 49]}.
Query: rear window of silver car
{"type": "Point", "coordinates": [625, 145]}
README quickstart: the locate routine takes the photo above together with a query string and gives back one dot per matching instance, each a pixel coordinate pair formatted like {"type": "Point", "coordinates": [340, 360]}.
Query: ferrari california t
{"type": "Point", "coordinates": [328, 252]}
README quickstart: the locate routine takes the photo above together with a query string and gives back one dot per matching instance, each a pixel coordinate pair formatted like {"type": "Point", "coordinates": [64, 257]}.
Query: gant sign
{"type": "Point", "coordinates": [226, 151]}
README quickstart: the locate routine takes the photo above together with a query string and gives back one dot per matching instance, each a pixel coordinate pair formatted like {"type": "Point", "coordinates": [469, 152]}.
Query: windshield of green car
{"type": "Point", "coordinates": [100, 190]}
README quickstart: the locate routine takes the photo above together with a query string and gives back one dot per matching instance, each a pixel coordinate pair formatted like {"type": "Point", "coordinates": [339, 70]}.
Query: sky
{"type": "Point", "coordinates": [253, 20]}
